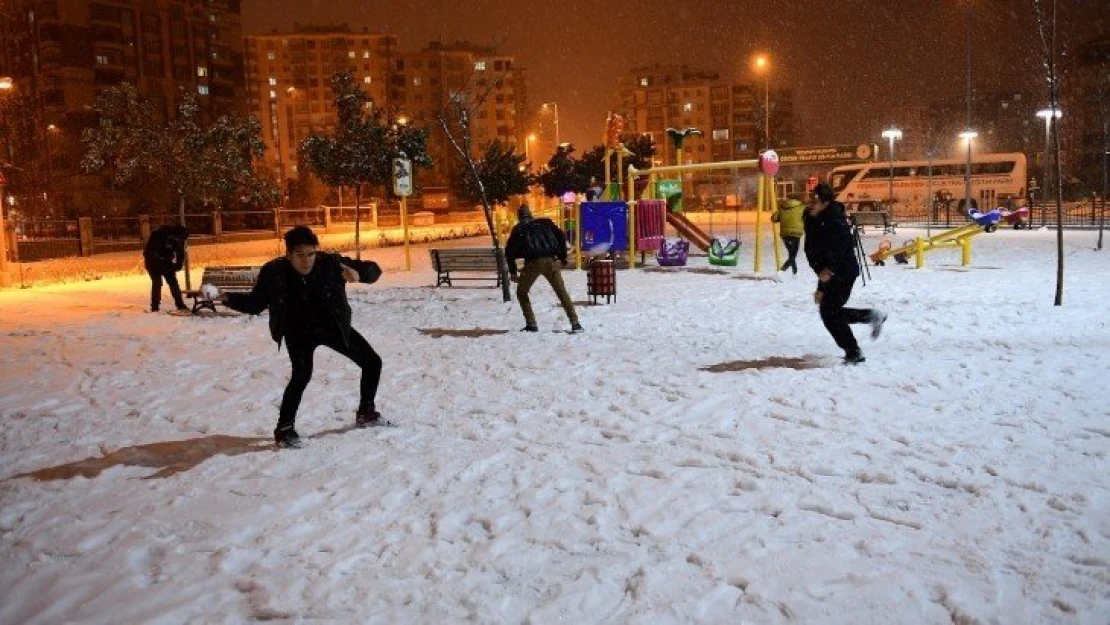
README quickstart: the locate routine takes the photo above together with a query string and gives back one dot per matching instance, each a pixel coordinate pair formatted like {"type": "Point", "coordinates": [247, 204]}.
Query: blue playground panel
{"type": "Point", "coordinates": [604, 227]}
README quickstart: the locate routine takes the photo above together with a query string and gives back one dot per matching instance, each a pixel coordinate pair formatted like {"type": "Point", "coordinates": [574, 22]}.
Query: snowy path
{"type": "Point", "coordinates": [959, 476]}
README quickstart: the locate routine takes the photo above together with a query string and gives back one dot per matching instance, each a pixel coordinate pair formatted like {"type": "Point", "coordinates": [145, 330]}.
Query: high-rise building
{"type": "Point", "coordinates": [60, 53]}
{"type": "Point", "coordinates": [289, 84]}
{"type": "Point", "coordinates": [729, 115]}
{"type": "Point", "coordinates": [1085, 127]}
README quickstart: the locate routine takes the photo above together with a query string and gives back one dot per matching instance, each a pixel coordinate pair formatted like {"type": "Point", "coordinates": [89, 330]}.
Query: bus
{"type": "Point", "coordinates": [996, 179]}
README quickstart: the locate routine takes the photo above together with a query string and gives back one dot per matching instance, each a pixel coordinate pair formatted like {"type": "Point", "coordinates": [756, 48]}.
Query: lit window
{"type": "Point", "coordinates": [720, 134]}
{"type": "Point", "coordinates": [102, 59]}
{"type": "Point", "coordinates": [270, 55]}
{"type": "Point", "coordinates": [644, 82]}
{"type": "Point", "coordinates": [202, 71]}
{"type": "Point", "coordinates": [415, 81]}
{"type": "Point", "coordinates": [273, 94]}
{"type": "Point", "coordinates": [202, 89]}
{"type": "Point", "coordinates": [366, 54]}
{"type": "Point", "coordinates": [367, 79]}
{"type": "Point", "coordinates": [688, 107]}
{"type": "Point", "coordinates": [273, 81]}
{"type": "Point", "coordinates": [479, 66]}
{"type": "Point", "coordinates": [212, 17]}
{"type": "Point", "coordinates": [351, 54]}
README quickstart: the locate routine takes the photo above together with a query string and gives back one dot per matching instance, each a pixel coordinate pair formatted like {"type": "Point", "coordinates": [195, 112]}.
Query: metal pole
{"type": "Point", "coordinates": [890, 190]}
{"type": "Point", "coordinates": [5, 280]}
{"type": "Point", "coordinates": [967, 179]}
{"type": "Point", "coordinates": [767, 109]}
{"type": "Point", "coordinates": [967, 173]}
{"type": "Point", "coordinates": [1047, 170]}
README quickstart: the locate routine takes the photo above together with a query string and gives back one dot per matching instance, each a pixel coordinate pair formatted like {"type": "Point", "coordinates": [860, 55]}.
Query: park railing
{"type": "Point", "coordinates": [32, 240]}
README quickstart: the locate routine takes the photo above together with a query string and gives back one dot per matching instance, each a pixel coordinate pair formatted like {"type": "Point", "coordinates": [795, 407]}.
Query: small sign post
{"type": "Point", "coordinates": [402, 187]}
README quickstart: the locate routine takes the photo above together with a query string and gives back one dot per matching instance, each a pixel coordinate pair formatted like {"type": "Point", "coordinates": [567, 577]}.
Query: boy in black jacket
{"type": "Point", "coordinates": [163, 257]}
{"type": "Point", "coordinates": [831, 251]}
{"type": "Point", "coordinates": [305, 291]}
{"type": "Point", "coordinates": [540, 243]}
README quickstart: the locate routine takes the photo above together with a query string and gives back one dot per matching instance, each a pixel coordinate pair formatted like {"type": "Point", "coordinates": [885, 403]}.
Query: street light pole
{"type": "Point", "coordinates": [1047, 115]}
{"type": "Point", "coordinates": [763, 64]}
{"type": "Point", "coordinates": [967, 136]}
{"type": "Point", "coordinates": [892, 134]}
{"type": "Point", "coordinates": [6, 86]}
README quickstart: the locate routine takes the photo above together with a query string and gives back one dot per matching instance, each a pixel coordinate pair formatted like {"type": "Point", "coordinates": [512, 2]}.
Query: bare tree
{"type": "Point", "coordinates": [1047, 34]}
{"type": "Point", "coordinates": [455, 119]}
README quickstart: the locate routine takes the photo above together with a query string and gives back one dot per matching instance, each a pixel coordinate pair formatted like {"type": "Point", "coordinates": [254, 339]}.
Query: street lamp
{"type": "Point", "coordinates": [763, 64]}
{"type": "Point", "coordinates": [893, 134]}
{"type": "Point", "coordinates": [1048, 115]}
{"type": "Point", "coordinates": [6, 86]}
{"type": "Point", "coordinates": [967, 136]}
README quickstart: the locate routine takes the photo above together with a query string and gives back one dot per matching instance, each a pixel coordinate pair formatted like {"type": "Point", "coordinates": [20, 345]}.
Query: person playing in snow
{"type": "Point", "coordinates": [831, 251]}
{"type": "Point", "coordinates": [791, 229]}
{"type": "Point", "coordinates": [163, 257]}
{"type": "Point", "coordinates": [540, 243]}
{"type": "Point", "coordinates": [305, 291]}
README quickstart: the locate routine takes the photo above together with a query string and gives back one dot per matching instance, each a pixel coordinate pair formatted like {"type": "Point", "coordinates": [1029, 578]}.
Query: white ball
{"type": "Point", "coordinates": [210, 291]}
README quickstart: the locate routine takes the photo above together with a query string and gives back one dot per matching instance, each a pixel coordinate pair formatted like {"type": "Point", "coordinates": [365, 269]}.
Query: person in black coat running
{"type": "Point", "coordinates": [830, 249]}
{"type": "Point", "coordinates": [305, 291]}
{"type": "Point", "coordinates": [163, 257]}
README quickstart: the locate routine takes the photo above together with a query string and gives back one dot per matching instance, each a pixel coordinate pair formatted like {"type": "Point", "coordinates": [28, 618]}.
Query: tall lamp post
{"type": "Point", "coordinates": [967, 136]}
{"type": "Point", "coordinates": [6, 86]}
{"type": "Point", "coordinates": [763, 65]}
{"type": "Point", "coordinates": [892, 134]}
{"type": "Point", "coordinates": [1047, 115]}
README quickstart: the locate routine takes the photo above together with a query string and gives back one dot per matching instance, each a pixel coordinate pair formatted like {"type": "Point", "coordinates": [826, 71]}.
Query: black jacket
{"type": "Point", "coordinates": [829, 243]}
{"type": "Point", "coordinates": [165, 249]}
{"type": "Point", "coordinates": [535, 238]}
{"type": "Point", "coordinates": [298, 304]}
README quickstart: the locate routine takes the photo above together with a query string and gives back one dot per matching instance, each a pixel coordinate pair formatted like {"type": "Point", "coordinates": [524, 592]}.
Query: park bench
{"type": "Point", "coordinates": [873, 218]}
{"type": "Point", "coordinates": [468, 260]}
{"type": "Point", "coordinates": [228, 279]}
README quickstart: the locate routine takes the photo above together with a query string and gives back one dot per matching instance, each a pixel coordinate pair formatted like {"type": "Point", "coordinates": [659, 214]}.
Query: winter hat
{"type": "Point", "coordinates": [523, 214]}
{"type": "Point", "coordinates": [792, 203]}
{"type": "Point", "coordinates": [824, 192]}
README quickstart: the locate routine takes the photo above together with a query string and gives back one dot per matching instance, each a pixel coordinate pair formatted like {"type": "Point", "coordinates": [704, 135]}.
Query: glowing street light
{"type": "Point", "coordinates": [1048, 115]}
{"type": "Point", "coordinates": [763, 65]}
{"type": "Point", "coordinates": [968, 135]}
{"type": "Point", "coordinates": [893, 134]}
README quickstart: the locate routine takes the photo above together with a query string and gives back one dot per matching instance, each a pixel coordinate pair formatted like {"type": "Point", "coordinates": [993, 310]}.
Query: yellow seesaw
{"type": "Point", "coordinates": [957, 237]}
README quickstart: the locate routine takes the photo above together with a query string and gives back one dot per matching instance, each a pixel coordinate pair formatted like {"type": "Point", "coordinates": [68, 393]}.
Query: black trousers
{"type": "Point", "coordinates": [301, 349]}
{"type": "Point", "coordinates": [837, 318]}
{"type": "Point", "coordinates": [156, 277]}
{"type": "Point", "coordinates": [791, 244]}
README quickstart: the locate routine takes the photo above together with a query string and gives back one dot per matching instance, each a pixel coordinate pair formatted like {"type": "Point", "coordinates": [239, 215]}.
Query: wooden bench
{"type": "Point", "coordinates": [466, 260]}
{"type": "Point", "coordinates": [228, 279]}
{"type": "Point", "coordinates": [873, 218]}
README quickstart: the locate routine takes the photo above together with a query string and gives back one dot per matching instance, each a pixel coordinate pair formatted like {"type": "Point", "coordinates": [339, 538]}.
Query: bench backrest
{"type": "Point", "coordinates": [231, 278]}
{"type": "Point", "coordinates": [872, 218]}
{"type": "Point", "coordinates": [464, 259]}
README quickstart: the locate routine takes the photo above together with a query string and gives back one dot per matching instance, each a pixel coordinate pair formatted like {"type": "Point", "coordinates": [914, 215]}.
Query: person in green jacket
{"type": "Point", "coordinates": [791, 229]}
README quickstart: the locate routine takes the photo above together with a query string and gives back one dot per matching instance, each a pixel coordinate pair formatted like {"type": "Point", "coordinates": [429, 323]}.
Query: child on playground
{"type": "Point", "coordinates": [791, 229]}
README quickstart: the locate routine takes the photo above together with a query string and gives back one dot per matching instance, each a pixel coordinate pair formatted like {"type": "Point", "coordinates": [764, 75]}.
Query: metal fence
{"type": "Point", "coordinates": [1076, 214]}
{"type": "Point", "coordinates": [34, 240]}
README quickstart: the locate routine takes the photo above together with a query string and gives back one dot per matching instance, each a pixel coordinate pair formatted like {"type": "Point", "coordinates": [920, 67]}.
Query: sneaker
{"type": "Point", "coordinates": [529, 329]}
{"type": "Point", "coordinates": [878, 318]}
{"type": "Point", "coordinates": [854, 358]}
{"type": "Point", "coordinates": [287, 438]}
{"type": "Point", "coordinates": [576, 328]}
{"type": "Point", "coordinates": [367, 417]}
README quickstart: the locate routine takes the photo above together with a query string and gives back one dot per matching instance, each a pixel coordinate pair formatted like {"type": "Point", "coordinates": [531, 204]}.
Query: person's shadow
{"type": "Point", "coordinates": [170, 457]}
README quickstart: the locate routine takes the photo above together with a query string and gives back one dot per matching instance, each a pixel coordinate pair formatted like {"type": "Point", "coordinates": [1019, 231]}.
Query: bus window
{"type": "Point", "coordinates": [841, 178]}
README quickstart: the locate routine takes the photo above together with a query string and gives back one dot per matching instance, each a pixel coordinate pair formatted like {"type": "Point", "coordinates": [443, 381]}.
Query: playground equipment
{"type": "Point", "coordinates": [956, 237]}
{"type": "Point", "coordinates": [602, 228]}
{"type": "Point", "coordinates": [673, 252]}
{"type": "Point", "coordinates": [723, 251]}
{"type": "Point", "coordinates": [990, 219]}
{"type": "Point", "coordinates": [767, 164]}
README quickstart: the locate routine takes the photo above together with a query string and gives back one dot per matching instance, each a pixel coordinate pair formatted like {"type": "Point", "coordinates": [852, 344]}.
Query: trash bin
{"type": "Point", "coordinates": [601, 280]}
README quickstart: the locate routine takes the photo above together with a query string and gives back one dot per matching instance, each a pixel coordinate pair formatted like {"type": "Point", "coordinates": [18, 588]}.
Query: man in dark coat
{"type": "Point", "coordinates": [305, 291]}
{"type": "Point", "coordinates": [831, 251]}
{"type": "Point", "coordinates": [540, 243]}
{"type": "Point", "coordinates": [163, 257]}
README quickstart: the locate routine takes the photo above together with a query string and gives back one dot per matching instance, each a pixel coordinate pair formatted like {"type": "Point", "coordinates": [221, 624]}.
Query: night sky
{"type": "Point", "coordinates": [849, 61]}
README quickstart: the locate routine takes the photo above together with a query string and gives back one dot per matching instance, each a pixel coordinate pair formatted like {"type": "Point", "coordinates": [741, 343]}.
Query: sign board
{"type": "Point", "coordinates": [832, 154]}
{"type": "Point", "coordinates": [402, 177]}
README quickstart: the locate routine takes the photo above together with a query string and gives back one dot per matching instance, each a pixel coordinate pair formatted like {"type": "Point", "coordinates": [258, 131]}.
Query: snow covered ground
{"type": "Point", "coordinates": [699, 455]}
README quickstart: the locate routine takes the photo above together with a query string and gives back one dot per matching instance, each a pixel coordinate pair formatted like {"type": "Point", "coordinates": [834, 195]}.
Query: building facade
{"type": "Point", "coordinates": [61, 53]}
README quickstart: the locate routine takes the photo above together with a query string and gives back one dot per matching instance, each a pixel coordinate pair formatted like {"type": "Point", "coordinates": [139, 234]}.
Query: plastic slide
{"type": "Point", "coordinates": [688, 230]}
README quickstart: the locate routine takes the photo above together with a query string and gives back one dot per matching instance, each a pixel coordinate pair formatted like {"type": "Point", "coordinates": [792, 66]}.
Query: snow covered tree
{"type": "Point", "coordinates": [501, 172]}
{"type": "Point", "coordinates": [362, 150]}
{"type": "Point", "coordinates": [562, 173]}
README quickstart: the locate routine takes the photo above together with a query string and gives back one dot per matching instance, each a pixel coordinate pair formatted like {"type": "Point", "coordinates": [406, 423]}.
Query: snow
{"type": "Point", "coordinates": [958, 476]}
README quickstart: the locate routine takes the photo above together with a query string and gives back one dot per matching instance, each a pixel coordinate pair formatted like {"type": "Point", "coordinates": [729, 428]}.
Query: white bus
{"type": "Point", "coordinates": [996, 179]}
